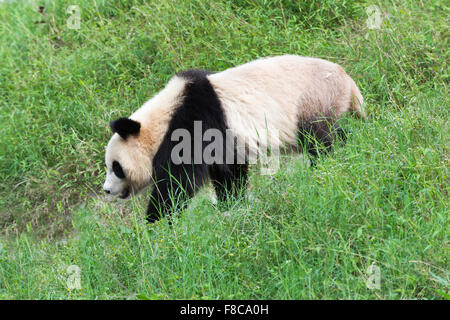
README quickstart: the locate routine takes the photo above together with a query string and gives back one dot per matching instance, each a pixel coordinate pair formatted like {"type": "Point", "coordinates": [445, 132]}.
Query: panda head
{"type": "Point", "coordinates": [127, 159]}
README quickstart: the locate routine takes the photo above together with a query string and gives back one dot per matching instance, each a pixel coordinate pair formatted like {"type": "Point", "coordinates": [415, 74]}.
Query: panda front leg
{"type": "Point", "coordinates": [159, 204]}
{"type": "Point", "coordinates": [229, 180]}
{"type": "Point", "coordinates": [240, 179]}
{"type": "Point", "coordinates": [175, 184]}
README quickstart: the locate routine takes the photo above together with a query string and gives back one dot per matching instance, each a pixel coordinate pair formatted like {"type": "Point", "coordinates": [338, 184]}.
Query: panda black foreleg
{"type": "Point", "coordinates": [160, 204]}
{"type": "Point", "coordinates": [157, 207]}
{"type": "Point", "coordinates": [240, 179]}
{"type": "Point", "coordinates": [229, 180]}
{"type": "Point", "coordinates": [173, 188]}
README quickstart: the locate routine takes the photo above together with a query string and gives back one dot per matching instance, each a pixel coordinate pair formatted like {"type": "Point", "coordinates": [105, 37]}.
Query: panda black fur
{"type": "Point", "coordinates": [294, 97]}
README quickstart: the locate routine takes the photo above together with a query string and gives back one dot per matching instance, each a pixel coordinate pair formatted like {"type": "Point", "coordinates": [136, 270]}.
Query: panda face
{"type": "Point", "coordinates": [116, 183]}
{"type": "Point", "coordinates": [128, 167]}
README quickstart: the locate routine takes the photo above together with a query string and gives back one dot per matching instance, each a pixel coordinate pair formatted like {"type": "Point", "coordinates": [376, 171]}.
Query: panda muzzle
{"type": "Point", "coordinates": [125, 193]}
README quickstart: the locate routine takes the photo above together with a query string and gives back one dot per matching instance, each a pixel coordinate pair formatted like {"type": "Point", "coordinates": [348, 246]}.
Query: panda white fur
{"type": "Point", "coordinates": [278, 100]}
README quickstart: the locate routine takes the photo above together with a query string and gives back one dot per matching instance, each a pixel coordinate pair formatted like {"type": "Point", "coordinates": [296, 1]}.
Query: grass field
{"type": "Point", "coordinates": [381, 200]}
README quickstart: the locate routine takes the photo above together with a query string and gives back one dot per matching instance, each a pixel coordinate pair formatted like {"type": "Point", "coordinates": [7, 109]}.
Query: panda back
{"type": "Point", "coordinates": [265, 99]}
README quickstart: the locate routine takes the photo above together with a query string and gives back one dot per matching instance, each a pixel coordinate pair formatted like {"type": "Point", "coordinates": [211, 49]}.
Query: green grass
{"type": "Point", "coordinates": [382, 199]}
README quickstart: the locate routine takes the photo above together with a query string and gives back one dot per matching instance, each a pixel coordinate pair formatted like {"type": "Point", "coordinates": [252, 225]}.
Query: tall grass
{"type": "Point", "coordinates": [382, 199]}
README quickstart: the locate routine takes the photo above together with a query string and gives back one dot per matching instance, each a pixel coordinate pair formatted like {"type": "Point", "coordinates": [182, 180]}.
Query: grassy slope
{"type": "Point", "coordinates": [382, 199]}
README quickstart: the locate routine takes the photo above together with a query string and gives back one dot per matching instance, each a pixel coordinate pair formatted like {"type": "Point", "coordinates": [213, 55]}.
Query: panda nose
{"type": "Point", "coordinates": [107, 191]}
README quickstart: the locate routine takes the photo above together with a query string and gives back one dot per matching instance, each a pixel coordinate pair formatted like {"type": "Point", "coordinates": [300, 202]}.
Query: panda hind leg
{"type": "Point", "coordinates": [318, 137]}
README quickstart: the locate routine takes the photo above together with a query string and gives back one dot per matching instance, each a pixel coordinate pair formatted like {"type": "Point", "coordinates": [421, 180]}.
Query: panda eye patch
{"type": "Point", "coordinates": [118, 171]}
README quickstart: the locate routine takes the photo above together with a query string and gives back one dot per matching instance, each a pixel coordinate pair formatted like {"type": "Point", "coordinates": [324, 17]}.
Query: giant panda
{"type": "Point", "coordinates": [286, 102]}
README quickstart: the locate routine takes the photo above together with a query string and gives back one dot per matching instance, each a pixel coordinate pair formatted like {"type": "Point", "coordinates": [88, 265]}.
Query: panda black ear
{"type": "Point", "coordinates": [124, 127]}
